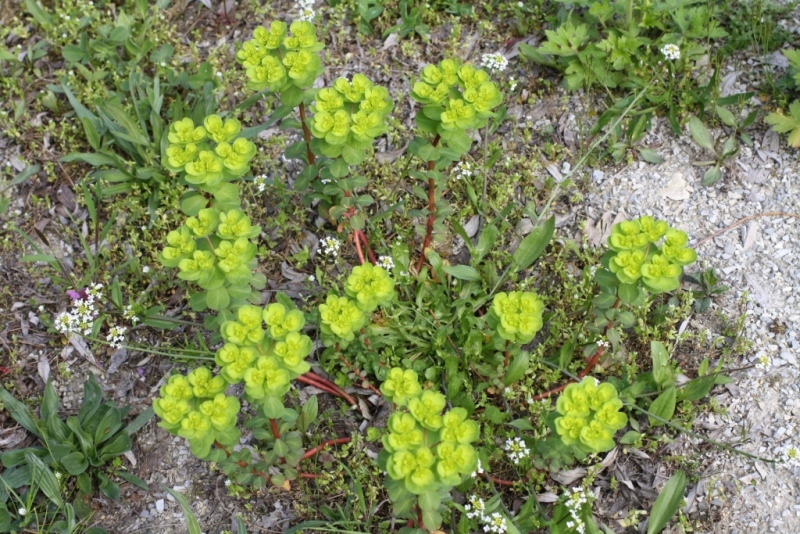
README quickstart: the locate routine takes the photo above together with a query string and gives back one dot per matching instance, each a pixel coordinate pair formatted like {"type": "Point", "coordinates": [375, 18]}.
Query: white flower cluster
{"type": "Point", "coordinates": [671, 51]}
{"type": "Point", "coordinates": [476, 509]}
{"type": "Point", "coordinates": [790, 454]}
{"type": "Point", "coordinates": [261, 182]}
{"type": "Point", "coordinates": [80, 319]}
{"type": "Point", "coordinates": [331, 246]}
{"type": "Point", "coordinates": [494, 62]}
{"type": "Point", "coordinates": [763, 361]}
{"type": "Point", "coordinates": [386, 262]}
{"type": "Point", "coordinates": [575, 502]}
{"type": "Point", "coordinates": [306, 10]}
{"type": "Point", "coordinates": [464, 169]}
{"type": "Point", "coordinates": [130, 315]}
{"type": "Point", "coordinates": [478, 470]}
{"type": "Point", "coordinates": [603, 344]}
{"type": "Point", "coordinates": [116, 336]}
{"type": "Point", "coordinates": [517, 450]}
{"type": "Point", "coordinates": [512, 84]}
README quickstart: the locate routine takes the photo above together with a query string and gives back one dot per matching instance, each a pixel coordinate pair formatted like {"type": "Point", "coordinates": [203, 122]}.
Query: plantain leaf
{"type": "Point", "coordinates": [667, 503]}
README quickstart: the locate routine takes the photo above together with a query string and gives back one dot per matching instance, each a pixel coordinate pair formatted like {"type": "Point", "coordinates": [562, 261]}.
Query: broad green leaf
{"type": "Point", "coordinates": [21, 413]}
{"type": "Point", "coordinates": [712, 175]}
{"type": "Point", "coordinates": [650, 155]}
{"type": "Point", "coordinates": [522, 424]}
{"type": "Point", "coordinates": [628, 293]}
{"type": "Point", "coordinates": [38, 13]}
{"type": "Point", "coordinates": [191, 521]}
{"type": "Point", "coordinates": [697, 389]}
{"type": "Point", "coordinates": [430, 500]}
{"type": "Point", "coordinates": [663, 406]}
{"type": "Point", "coordinates": [308, 414]}
{"type": "Point", "coordinates": [783, 124]}
{"type": "Point", "coordinates": [463, 272]}
{"type": "Point", "coordinates": [700, 134]}
{"type": "Point", "coordinates": [725, 116]}
{"type": "Point", "coordinates": [74, 463]}
{"type": "Point", "coordinates": [516, 368]}
{"type": "Point", "coordinates": [534, 244]}
{"type": "Point", "coordinates": [662, 373]}
{"type": "Point", "coordinates": [43, 477]}
{"type": "Point", "coordinates": [667, 503]}
{"type": "Point", "coordinates": [49, 402]}
{"type": "Point", "coordinates": [141, 420]}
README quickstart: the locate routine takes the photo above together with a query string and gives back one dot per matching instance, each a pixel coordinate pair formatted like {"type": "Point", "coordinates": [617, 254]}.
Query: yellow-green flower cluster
{"type": "Point", "coordinates": [590, 415]}
{"type": "Point", "coordinates": [349, 116]}
{"type": "Point", "coordinates": [340, 319]}
{"type": "Point", "coordinates": [276, 58]}
{"type": "Point", "coordinates": [266, 360]}
{"type": "Point", "coordinates": [455, 96]}
{"type": "Point", "coordinates": [516, 316]}
{"type": "Point", "coordinates": [371, 286]}
{"type": "Point", "coordinates": [638, 256]}
{"type": "Point", "coordinates": [427, 449]}
{"type": "Point", "coordinates": [195, 407]}
{"type": "Point", "coordinates": [207, 156]}
{"type": "Point", "coordinates": [214, 249]}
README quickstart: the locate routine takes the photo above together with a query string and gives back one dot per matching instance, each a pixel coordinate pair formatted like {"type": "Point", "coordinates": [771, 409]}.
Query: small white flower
{"type": "Point", "coordinates": [671, 51]}
{"type": "Point", "coordinates": [58, 475]}
{"type": "Point", "coordinates": [22, 511]}
{"type": "Point", "coordinates": [146, 269]}
{"type": "Point", "coordinates": [331, 246]}
{"type": "Point", "coordinates": [116, 336]}
{"type": "Point", "coordinates": [386, 262]}
{"type": "Point", "coordinates": [311, 278]}
{"type": "Point", "coordinates": [494, 62]}
{"type": "Point", "coordinates": [791, 455]}
{"type": "Point", "coordinates": [464, 169]}
{"type": "Point", "coordinates": [261, 182]}
{"type": "Point", "coordinates": [227, 482]}
{"type": "Point", "coordinates": [763, 361]}
{"type": "Point", "coordinates": [517, 450]}
{"type": "Point", "coordinates": [478, 471]}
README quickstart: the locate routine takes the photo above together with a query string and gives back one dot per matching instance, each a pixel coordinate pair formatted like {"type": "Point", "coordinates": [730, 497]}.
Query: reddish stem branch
{"type": "Point", "coordinates": [311, 452]}
{"type": "Point", "coordinates": [308, 475]}
{"type": "Point", "coordinates": [502, 482]}
{"type": "Point", "coordinates": [313, 379]}
{"type": "Point", "coordinates": [371, 255]}
{"type": "Point", "coordinates": [431, 211]}
{"type": "Point", "coordinates": [274, 426]}
{"type": "Point", "coordinates": [357, 241]}
{"type": "Point", "coordinates": [306, 134]}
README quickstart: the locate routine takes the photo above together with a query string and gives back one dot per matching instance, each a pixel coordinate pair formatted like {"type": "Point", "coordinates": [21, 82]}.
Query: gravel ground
{"type": "Point", "coordinates": [759, 261]}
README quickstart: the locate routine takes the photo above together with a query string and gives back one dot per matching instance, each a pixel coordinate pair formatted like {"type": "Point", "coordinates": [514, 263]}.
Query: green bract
{"type": "Point", "coordinates": [370, 286]}
{"type": "Point", "coordinates": [219, 131]}
{"type": "Point", "coordinates": [340, 319]}
{"type": "Point", "coordinates": [426, 450]}
{"type": "Point", "coordinates": [181, 245]}
{"type": "Point", "coordinates": [184, 132]}
{"type": "Point", "coordinates": [589, 415]}
{"type": "Point", "coordinates": [234, 361]}
{"type": "Point", "coordinates": [516, 316]}
{"type": "Point", "coordinates": [400, 386]}
{"type": "Point", "coordinates": [281, 321]}
{"type": "Point", "coordinates": [266, 378]}
{"type": "Point", "coordinates": [636, 255]}
{"type": "Point", "coordinates": [234, 224]}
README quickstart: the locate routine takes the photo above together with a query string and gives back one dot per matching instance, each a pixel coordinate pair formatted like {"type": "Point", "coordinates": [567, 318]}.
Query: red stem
{"type": "Point", "coordinates": [357, 241]}
{"type": "Point", "coordinates": [431, 211]}
{"type": "Point", "coordinates": [311, 452]}
{"type": "Point", "coordinates": [313, 379]}
{"type": "Point", "coordinates": [308, 475]}
{"type": "Point", "coordinates": [371, 255]}
{"type": "Point", "coordinates": [306, 134]}
{"type": "Point", "coordinates": [274, 426]}
{"type": "Point", "coordinates": [502, 482]}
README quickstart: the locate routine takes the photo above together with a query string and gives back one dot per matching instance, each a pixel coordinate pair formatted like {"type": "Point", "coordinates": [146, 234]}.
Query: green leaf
{"type": "Point", "coordinates": [697, 389]}
{"type": "Point", "coordinates": [19, 412]}
{"type": "Point", "coordinates": [650, 155]}
{"type": "Point", "coordinates": [74, 463]}
{"type": "Point", "coordinates": [725, 116]}
{"type": "Point", "coordinates": [141, 420]}
{"type": "Point", "coordinates": [630, 437]}
{"type": "Point", "coordinates": [40, 15]}
{"type": "Point", "coordinates": [94, 159]}
{"type": "Point", "coordinates": [628, 293]}
{"type": "Point", "coordinates": [191, 521]}
{"type": "Point", "coordinates": [218, 299]}
{"type": "Point", "coordinates": [700, 134]}
{"type": "Point", "coordinates": [663, 406]}
{"type": "Point", "coordinates": [712, 175]}
{"type": "Point", "coordinates": [45, 479]}
{"type": "Point", "coordinates": [516, 368]}
{"type": "Point", "coordinates": [534, 244]}
{"type": "Point", "coordinates": [463, 272]}
{"type": "Point", "coordinates": [667, 503]}
{"type": "Point", "coordinates": [522, 424]}
{"type": "Point", "coordinates": [49, 402]}
{"type": "Point", "coordinates": [662, 372]}
{"type": "Point", "coordinates": [273, 407]}
{"type": "Point", "coordinates": [431, 519]}
{"type": "Point", "coordinates": [308, 414]}
{"type": "Point", "coordinates": [783, 124]}
{"type": "Point", "coordinates": [430, 500]}
{"type": "Point", "coordinates": [49, 258]}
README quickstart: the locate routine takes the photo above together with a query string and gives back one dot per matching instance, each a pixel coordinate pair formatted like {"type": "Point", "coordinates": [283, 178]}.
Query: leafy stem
{"type": "Point", "coordinates": [431, 210]}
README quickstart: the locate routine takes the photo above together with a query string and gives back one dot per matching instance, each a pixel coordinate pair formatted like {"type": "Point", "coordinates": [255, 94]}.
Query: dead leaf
{"type": "Point", "coordinates": [43, 367]}
{"type": "Point", "coordinates": [391, 41]}
{"type": "Point", "coordinates": [546, 497]}
{"type": "Point", "coordinates": [83, 349]}
{"type": "Point", "coordinates": [568, 477]}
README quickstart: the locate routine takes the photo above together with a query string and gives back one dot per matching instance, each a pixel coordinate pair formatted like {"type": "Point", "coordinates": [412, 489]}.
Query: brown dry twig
{"type": "Point", "coordinates": [744, 220]}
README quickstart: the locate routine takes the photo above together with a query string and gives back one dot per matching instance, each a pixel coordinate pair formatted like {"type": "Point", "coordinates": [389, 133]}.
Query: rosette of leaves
{"type": "Point", "coordinates": [281, 59]}
{"type": "Point", "coordinates": [348, 117]}
{"type": "Point", "coordinates": [455, 98]}
{"type": "Point", "coordinates": [208, 157]}
{"type": "Point", "coordinates": [215, 250]}
{"type": "Point", "coordinates": [426, 453]}
{"type": "Point", "coordinates": [80, 446]}
{"type": "Point", "coordinates": [590, 415]}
